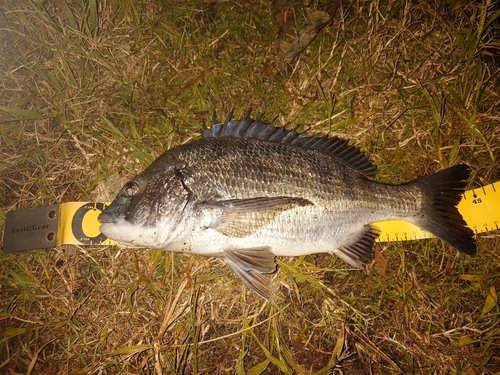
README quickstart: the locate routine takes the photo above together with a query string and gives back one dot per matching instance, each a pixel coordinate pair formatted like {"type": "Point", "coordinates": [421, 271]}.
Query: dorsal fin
{"type": "Point", "coordinates": [258, 129]}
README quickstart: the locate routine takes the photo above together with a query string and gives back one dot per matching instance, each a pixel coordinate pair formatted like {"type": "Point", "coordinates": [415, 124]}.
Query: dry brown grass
{"type": "Point", "coordinates": [91, 92]}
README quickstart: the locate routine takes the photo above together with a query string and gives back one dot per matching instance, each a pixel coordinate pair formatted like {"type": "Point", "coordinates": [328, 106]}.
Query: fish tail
{"type": "Point", "coordinates": [439, 214]}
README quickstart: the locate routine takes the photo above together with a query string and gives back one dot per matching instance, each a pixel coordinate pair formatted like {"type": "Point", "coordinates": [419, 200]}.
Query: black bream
{"type": "Point", "coordinates": [248, 191]}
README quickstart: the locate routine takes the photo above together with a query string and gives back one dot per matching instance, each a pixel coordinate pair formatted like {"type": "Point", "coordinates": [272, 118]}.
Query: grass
{"type": "Point", "coordinates": [92, 91]}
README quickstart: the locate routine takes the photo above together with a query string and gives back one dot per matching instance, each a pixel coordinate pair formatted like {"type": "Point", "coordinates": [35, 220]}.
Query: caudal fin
{"type": "Point", "coordinates": [440, 216]}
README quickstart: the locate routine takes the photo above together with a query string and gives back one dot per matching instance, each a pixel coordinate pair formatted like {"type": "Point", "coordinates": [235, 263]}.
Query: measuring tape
{"type": "Point", "coordinates": [76, 222]}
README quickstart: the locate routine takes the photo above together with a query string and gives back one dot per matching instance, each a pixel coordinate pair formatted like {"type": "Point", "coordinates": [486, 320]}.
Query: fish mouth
{"type": "Point", "coordinates": [109, 223]}
{"type": "Point", "coordinates": [115, 227]}
{"type": "Point", "coordinates": [107, 218]}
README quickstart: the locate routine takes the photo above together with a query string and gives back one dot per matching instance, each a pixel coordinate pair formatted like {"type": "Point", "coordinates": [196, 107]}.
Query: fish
{"type": "Point", "coordinates": [248, 191]}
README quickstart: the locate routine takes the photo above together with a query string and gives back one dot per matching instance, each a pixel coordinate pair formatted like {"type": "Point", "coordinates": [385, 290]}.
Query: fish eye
{"type": "Point", "coordinates": [131, 189]}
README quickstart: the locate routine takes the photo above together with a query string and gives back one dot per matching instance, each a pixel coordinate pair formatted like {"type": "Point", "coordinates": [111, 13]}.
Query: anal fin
{"type": "Point", "coordinates": [254, 266]}
{"type": "Point", "coordinates": [360, 252]}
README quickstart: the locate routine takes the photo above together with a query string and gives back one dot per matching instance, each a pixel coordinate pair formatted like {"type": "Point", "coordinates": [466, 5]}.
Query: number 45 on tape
{"type": "Point", "coordinates": [76, 222]}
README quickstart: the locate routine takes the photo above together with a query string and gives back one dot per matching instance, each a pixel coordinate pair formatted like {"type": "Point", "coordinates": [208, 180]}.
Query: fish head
{"type": "Point", "coordinates": [148, 210]}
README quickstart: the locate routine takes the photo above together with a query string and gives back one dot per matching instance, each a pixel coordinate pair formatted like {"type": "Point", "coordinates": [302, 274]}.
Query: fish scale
{"type": "Point", "coordinates": [248, 191]}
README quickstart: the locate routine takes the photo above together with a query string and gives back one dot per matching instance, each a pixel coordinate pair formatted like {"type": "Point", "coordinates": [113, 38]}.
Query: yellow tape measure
{"type": "Point", "coordinates": [76, 222]}
{"type": "Point", "coordinates": [480, 208]}
{"type": "Point", "coordinates": [79, 225]}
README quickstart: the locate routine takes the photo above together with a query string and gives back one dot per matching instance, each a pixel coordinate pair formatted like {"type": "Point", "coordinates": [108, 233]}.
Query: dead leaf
{"type": "Point", "coordinates": [316, 21]}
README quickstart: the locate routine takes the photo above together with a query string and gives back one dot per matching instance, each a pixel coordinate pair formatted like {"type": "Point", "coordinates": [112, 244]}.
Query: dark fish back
{"type": "Point", "coordinates": [257, 129]}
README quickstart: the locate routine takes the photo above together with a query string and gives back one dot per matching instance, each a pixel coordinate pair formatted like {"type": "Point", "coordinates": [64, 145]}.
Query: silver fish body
{"type": "Point", "coordinates": [248, 191]}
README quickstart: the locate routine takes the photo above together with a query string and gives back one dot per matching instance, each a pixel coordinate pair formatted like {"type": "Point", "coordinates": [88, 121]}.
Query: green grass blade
{"type": "Point", "coordinates": [477, 133]}
{"type": "Point", "coordinates": [48, 77]}
{"type": "Point", "coordinates": [133, 349]}
{"type": "Point", "coordinates": [20, 113]}
{"type": "Point", "coordinates": [69, 14]}
{"type": "Point", "coordinates": [436, 112]}
{"type": "Point", "coordinates": [146, 159]}
{"type": "Point", "coordinates": [93, 17]}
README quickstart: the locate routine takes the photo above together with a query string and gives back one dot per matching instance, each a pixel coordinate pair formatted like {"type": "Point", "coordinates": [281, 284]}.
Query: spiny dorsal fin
{"type": "Point", "coordinates": [249, 128]}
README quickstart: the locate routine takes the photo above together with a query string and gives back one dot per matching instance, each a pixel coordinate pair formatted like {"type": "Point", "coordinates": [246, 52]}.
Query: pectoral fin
{"type": "Point", "coordinates": [242, 217]}
{"type": "Point", "coordinates": [361, 250]}
{"type": "Point", "coordinates": [254, 266]}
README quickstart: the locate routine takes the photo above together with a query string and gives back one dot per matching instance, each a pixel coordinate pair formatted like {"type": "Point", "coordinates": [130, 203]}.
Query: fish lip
{"type": "Point", "coordinates": [108, 218]}
{"type": "Point", "coordinates": [110, 222]}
